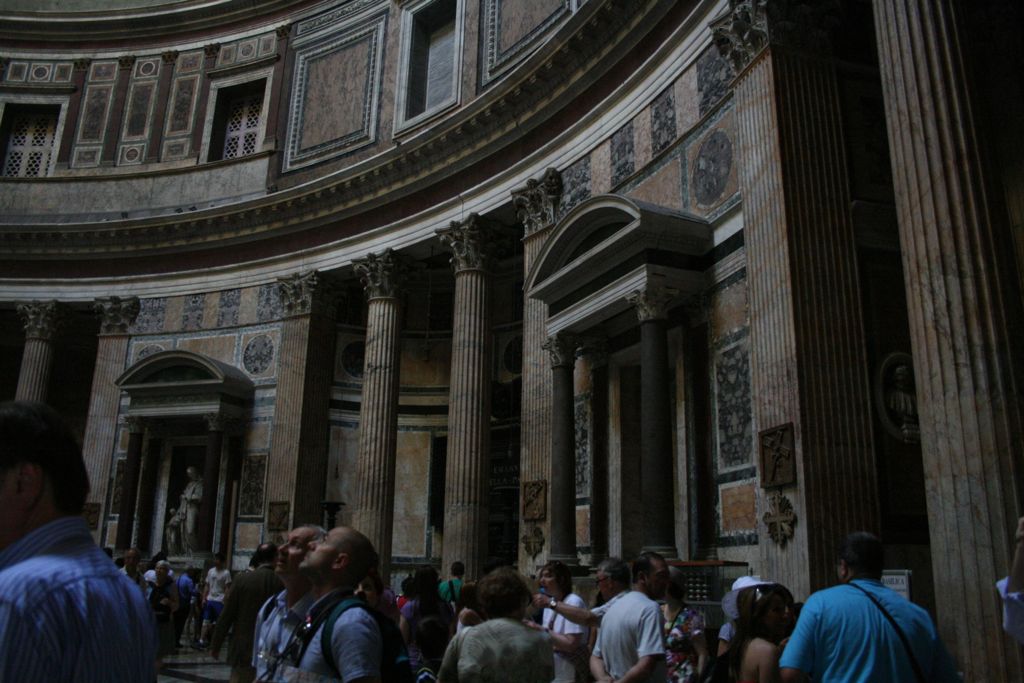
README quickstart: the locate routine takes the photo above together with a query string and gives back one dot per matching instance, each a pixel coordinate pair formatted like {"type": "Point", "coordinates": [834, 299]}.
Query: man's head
{"type": "Point", "coordinates": [458, 569]}
{"type": "Point", "coordinates": [860, 557]}
{"type": "Point", "coordinates": [42, 474]}
{"type": "Point", "coordinates": [265, 554]}
{"type": "Point", "coordinates": [193, 472]}
{"type": "Point", "coordinates": [613, 577]}
{"type": "Point", "coordinates": [291, 554]}
{"type": "Point", "coordinates": [342, 559]}
{"type": "Point", "coordinates": [218, 560]}
{"type": "Point", "coordinates": [650, 575]}
{"type": "Point", "coordinates": [131, 559]}
{"type": "Point", "coordinates": [503, 593]}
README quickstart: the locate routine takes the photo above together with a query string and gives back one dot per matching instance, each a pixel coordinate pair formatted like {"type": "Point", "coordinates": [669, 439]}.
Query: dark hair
{"type": "Point", "coordinates": [374, 578]}
{"type": "Point", "coordinates": [458, 569]}
{"type": "Point", "coordinates": [34, 433]}
{"type": "Point", "coordinates": [502, 593]}
{"type": "Point", "coordinates": [431, 637]}
{"type": "Point", "coordinates": [752, 604]}
{"type": "Point", "coordinates": [616, 569]}
{"type": "Point", "coordinates": [862, 553]}
{"type": "Point", "coordinates": [428, 601]}
{"type": "Point", "coordinates": [265, 553]}
{"type": "Point", "coordinates": [219, 556]}
{"type": "Point", "coordinates": [645, 563]}
{"type": "Point", "coordinates": [467, 598]}
{"type": "Point", "coordinates": [560, 572]}
{"type": "Point", "coordinates": [409, 586]}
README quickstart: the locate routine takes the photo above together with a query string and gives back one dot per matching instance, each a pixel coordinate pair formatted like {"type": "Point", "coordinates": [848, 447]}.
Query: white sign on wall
{"type": "Point", "coordinates": [897, 580]}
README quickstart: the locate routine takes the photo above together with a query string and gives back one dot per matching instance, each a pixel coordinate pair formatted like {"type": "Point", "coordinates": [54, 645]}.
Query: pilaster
{"type": "Point", "coordinates": [966, 322]}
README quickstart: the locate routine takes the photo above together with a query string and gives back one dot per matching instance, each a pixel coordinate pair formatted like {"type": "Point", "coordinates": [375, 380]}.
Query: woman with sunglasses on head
{"type": "Point", "coordinates": [568, 639]}
{"type": "Point", "coordinates": [765, 620]}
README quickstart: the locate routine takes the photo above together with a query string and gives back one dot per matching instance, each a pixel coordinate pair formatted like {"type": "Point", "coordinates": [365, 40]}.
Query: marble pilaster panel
{"type": "Point", "coordinates": [42, 320]}
{"type": "Point", "coordinates": [469, 404]}
{"type": "Point", "coordinates": [537, 205]}
{"type": "Point", "coordinates": [373, 513]}
{"type": "Point", "coordinates": [966, 320]}
{"type": "Point", "coordinates": [807, 339]}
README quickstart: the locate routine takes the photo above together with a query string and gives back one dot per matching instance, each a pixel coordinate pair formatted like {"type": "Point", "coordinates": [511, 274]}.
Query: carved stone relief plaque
{"type": "Point", "coordinates": [780, 519]}
{"type": "Point", "coordinates": [277, 516]}
{"type": "Point", "coordinates": [535, 500]}
{"type": "Point", "coordinates": [778, 456]}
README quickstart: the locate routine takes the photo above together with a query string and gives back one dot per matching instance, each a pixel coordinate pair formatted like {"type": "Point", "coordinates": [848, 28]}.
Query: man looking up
{"type": "Point", "coordinates": [248, 594]}
{"type": "Point", "coordinates": [630, 645]}
{"type": "Point", "coordinates": [283, 613]}
{"type": "Point", "coordinates": [844, 633]}
{"type": "Point", "coordinates": [131, 567]}
{"type": "Point", "coordinates": [335, 566]}
{"type": "Point", "coordinates": [66, 612]}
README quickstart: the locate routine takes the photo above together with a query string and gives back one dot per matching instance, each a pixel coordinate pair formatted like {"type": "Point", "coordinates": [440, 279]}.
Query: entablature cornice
{"type": "Point", "coordinates": [579, 54]}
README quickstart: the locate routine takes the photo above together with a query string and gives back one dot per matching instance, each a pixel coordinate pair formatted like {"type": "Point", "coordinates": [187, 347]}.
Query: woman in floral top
{"type": "Point", "coordinates": [686, 651]}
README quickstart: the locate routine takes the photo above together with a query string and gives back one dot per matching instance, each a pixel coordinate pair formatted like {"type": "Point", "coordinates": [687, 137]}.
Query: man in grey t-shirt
{"type": "Point", "coordinates": [630, 645]}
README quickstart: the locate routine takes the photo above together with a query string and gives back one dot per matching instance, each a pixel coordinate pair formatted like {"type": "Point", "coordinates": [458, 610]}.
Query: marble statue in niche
{"type": "Point", "coordinates": [190, 500]}
{"type": "Point", "coordinates": [172, 533]}
{"type": "Point", "coordinates": [896, 398]}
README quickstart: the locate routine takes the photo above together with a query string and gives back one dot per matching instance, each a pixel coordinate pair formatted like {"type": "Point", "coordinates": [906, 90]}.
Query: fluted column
{"type": "Point", "coordinates": [808, 357]}
{"type": "Point", "coordinates": [537, 207]}
{"type": "Point", "coordinates": [562, 511]}
{"type": "Point", "coordinates": [966, 326]}
{"type": "Point", "coordinates": [116, 316]}
{"type": "Point", "coordinates": [42, 320]}
{"type": "Point", "coordinates": [297, 466]}
{"type": "Point", "coordinates": [374, 509]}
{"type": "Point", "coordinates": [655, 420]}
{"type": "Point", "coordinates": [211, 481]}
{"type": "Point", "coordinates": [469, 402]}
{"type": "Point", "coordinates": [130, 482]}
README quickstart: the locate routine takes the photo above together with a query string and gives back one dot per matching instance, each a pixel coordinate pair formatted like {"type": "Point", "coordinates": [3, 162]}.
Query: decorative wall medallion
{"type": "Point", "coordinates": [352, 359]}
{"type": "Point", "coordinates": [91, 513]}
{"type": "Point", "coordinates": [778, 456]}
{"type": "Point", "coordinates": [896, 397]}
{"type": "Point", "coordinates": [533, 541]}
{"type": "Point", "coordinates": [535, 500]}
{"type": "Point", "coordinates": [780, 519]}
{"type": "Point", "coordinates": [711, 168]}
{"type": "Point", "coordinates": [277, 516]}
{"type": "Point", "coordinates": [258, 354]}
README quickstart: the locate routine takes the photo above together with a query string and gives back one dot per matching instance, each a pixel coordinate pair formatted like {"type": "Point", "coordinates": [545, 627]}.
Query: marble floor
{"type": "Point", "coordinates": [193, 665]}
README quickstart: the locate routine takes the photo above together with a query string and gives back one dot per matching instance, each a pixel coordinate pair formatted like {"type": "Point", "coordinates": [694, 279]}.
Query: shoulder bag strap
{"type": "Point", "coordinates": [903, 637]}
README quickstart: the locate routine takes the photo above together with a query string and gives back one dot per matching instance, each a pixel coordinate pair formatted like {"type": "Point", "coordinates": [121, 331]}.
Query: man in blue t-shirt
{"type": "Point", "coordinates": [844, 636]}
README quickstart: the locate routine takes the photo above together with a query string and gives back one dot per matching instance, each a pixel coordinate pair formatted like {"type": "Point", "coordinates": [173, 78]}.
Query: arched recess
{"type": "Point", "coordinates": [181, 405]}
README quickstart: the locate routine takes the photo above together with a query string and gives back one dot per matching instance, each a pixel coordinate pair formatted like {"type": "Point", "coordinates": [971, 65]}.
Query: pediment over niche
{"type": "Point", "coordinates": [608, 247]}
{"type": "Point", "coordinates": [185, 384]}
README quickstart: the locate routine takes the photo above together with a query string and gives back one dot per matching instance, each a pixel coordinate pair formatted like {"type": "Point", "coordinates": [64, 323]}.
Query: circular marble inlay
{"type": "Point", "coordinates": [512, 359]}
{"type": "Point", "coordinates": [258, 354]}
{"type": "Point", "coordinates": [711, 169]}
{"type": "Point", "coordinates": [40, 72]}
{"type": "Point", "coordinates": [246, 50]}
{"type": "Point", "coordinates": [131, 154]}
{"type": "Point", "coordinates": [148, 350]}
{"type": "Point", "coordinates": [352, 359]}
{"type": "Point", "coordinates": [147, 68]}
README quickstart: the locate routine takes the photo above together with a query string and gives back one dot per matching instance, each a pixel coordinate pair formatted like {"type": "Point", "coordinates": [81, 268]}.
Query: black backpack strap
{"type": "Point", "coordinates": [918, 673]}
{"type": "Point", "coordinates": [314, 620]}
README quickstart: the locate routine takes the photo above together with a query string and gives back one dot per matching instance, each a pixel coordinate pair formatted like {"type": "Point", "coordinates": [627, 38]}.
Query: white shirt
{"type": "Point", "coordinates": [632, 628]}
{"type": "Point", "coordinates": [565, 672]}
{"type": "Point", "coordinates": [1013, 611]}
{"type": "Point", "coordinates": [217, 582]}
{"type": "Point", "coordinates": [274, 634]}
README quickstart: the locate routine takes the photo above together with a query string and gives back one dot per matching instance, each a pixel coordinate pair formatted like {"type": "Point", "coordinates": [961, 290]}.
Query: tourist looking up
{"type": "Point", "coordinates": [283, 613]}
{"type": "Point", "coordinates": [66, 612]}
{"type": "Point", "coordinates": [249, 593]}
{"type": "Point", "coordinates": [630, 645]}
{"type": "Point", "coordinates": [852, 632]}
{"type": "Point", "coordinates": [502, 649]}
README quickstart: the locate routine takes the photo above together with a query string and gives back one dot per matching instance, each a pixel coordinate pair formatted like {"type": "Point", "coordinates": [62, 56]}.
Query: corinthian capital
{"type": "Point", "coordinates": [302, 292]}
{"type": "Point", "coordinates": [749, 26]}
{"type": "Point", "coordinates": [41, 318]}
{"type": "Point", "coordinates": [652, 302]}
{"type": "Point", "coordinates": [472, 243]}
{"type": "Point", "coordinates": [562, 348]}
{"type": "Point", "coordinates": [116, 314]}
{"type": "Point", "coordinates": [382, 274]}
{"type": "Point", "coordinates": [537, 203]}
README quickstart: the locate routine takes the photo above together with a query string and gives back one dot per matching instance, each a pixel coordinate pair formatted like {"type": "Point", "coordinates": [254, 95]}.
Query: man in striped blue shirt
{"type": "Point", "coordinates": [66, 611]}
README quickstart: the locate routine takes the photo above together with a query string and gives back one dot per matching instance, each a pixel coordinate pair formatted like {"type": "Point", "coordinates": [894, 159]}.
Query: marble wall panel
{"type": "Point", "coordinates": [663, 186]}
{"type": "Point", "coordinates": [412, 470]}
{"type": "Point", "coordinates": [257, 435]}
{"type": "Point", "coordinates": [182, 105]}
{"type": "Point", "coordinates": [268, 302]}
{"type": "Point", "coordinates": [687, 102]}
{"type": "Point", "coordinates": [426, 363]}
{"type": "Point", "coordinates": [174, 313]}
{"type": "Point", "coordinates": [663, 120]}
{"type": "Point", "coordinates": [220, 347]}
{"type": "Point", "coordinates": [248, 305]}
{"type": "Point", "coordinates": [228, 303]}
{"type": "Point", "coordinates": [738, 507]}
{"type": "Point", "coordinates": [95, 107]}
{"type": "Point", "coordinates": [248, 536]}
{"type": "Point", "coordinates": [335, 95]}
{"type": "Point", "coordinates": [732, 407]}
{"type": "Point", "coordinates": [729, 311]}
{"type": "Point", "coordinates": [516, 19]}
{"type": "Point", "coordinates": [511, 29]}
{"type": "Point", "coordinates": [713, 77]}
{"type": "Point", "coordinates": [581, 421]}
{"type": "Point", "coordinates": [583, 526]}
{"type": "Point", "coordinates": [102, 71]}
{"type": "Point", "coordinates": [342, 464]}
{"type": "Point", "coordinates": [140, 105]}
{"type": "Point", "coordinates": [251, 485]}
{"type": "Point", "coordinates": [151, 316]}
{"type": "Point", "coordinates": [16, 72]}
{"type": "Point", "coordinates": [601, 168]}
{"type": "Point", "coordinates": [642, 150]}
{"type": "Point", "coordinates": [623, 154]}
{"type": "Point", "coordinates": [575, 185]}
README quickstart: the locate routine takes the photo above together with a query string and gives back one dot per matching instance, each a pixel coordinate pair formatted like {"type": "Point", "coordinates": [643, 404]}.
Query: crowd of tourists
{"type": "Point", "coordinates": [316, 608]}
